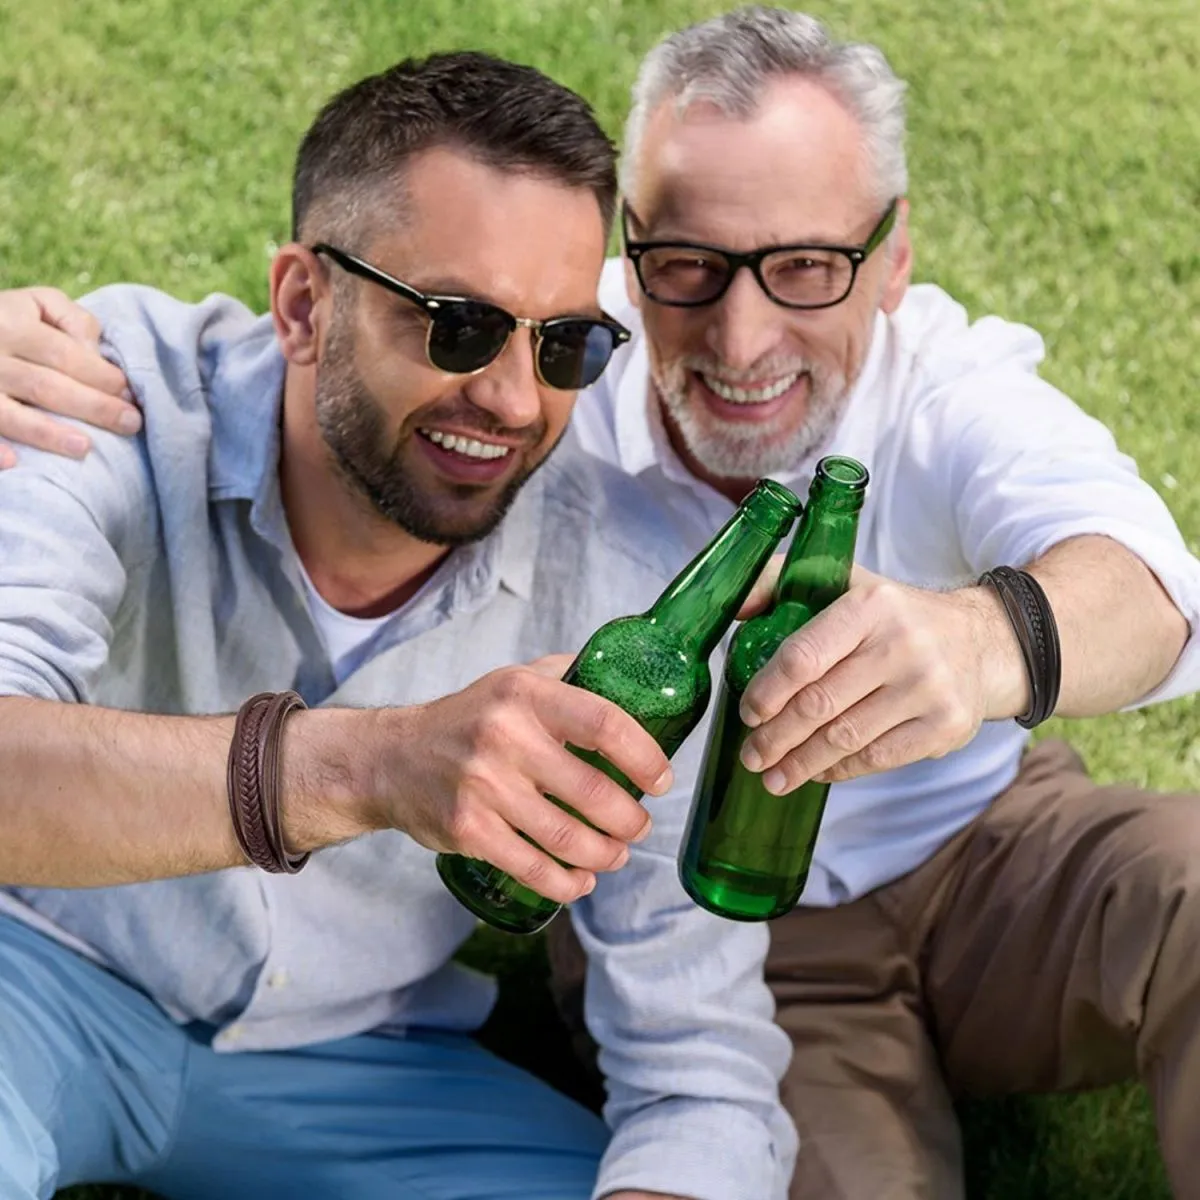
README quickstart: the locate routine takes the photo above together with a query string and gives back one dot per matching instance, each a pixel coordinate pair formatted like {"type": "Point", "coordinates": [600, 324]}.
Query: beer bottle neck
{"type": "Point", "coordinates": [701, 602]}
{"type": "Point", "coordinates": [818, 564]}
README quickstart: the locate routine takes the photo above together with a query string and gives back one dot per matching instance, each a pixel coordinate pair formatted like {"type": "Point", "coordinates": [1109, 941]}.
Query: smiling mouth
{"type": "Point", "coordinates": [763, 394]}
{"type": "Point", "coordinates": [467, 447]}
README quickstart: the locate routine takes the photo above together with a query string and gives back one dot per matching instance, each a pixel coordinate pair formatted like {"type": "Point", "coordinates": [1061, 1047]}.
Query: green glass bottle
{"type": "Point", "coordinates": [746, 853]}
{"type": "Point", "coordinates": [655, 666]}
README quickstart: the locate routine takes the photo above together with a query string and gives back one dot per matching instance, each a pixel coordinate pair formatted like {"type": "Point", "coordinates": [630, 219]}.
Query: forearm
{"type": "Point", "coordinates": [92, 796]}
{"type": "Point", "coordinates": [1120, 632]}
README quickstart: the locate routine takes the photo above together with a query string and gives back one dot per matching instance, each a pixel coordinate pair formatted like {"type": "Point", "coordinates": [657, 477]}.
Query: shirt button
{"type": "Point", "coordinates": [278, 979]}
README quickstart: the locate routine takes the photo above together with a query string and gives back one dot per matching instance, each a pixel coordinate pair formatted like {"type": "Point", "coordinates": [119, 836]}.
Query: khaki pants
{"type": "Point", "coordinates": [1052, 944]}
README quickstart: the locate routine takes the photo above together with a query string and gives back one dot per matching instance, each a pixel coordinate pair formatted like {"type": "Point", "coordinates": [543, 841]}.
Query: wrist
{"type": "Point", "coordinates": [1003, 676]}
{"type": "Point", "coordinates": [325, 787]}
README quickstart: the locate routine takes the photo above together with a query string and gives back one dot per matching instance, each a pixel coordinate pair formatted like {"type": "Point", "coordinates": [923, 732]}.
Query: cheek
{"type": "Point", "coordinates": [672, 333]}
{"type": "Point", "coordinates": [835, 339]}
{"type": "Point", "coordinates": [400, 389]}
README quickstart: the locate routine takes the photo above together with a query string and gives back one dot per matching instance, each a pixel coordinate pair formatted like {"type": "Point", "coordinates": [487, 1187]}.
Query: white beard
{"type": "Point", "coordinates": [741, 450]}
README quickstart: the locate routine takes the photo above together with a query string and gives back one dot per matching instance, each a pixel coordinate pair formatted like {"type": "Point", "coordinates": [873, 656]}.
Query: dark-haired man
{"type": "Point", "coordinates": [354, 500]}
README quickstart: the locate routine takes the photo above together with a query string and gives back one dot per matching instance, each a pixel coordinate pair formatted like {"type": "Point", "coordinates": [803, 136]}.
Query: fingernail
{"type": "Point", "coordinates": [749, 718]}
{"type": "Point", "coordinates": [130, 421]}
{"type": "Point", "coordinates": [7, 458]}
{"type": "Point", "coordinates": [76, 445]}
{"type": "Point", "coordinates": [643, 833]}
{"type": "Point", "coordinates": [589, 887]}
{"type": "Point", "coordinates": [751, 759]}
{"type": "Point", "coordinates": [775, 781]}
{"type": "Point", "coordinates": [662, 783]}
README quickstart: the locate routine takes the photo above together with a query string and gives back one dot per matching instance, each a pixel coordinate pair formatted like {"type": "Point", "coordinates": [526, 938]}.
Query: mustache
{"type": "Point", "coordinates": [770, 368]}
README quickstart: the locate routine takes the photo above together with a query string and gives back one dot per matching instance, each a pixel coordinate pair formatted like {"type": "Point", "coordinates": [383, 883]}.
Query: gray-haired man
{"type": "Point", "coordinates": [977, 920]}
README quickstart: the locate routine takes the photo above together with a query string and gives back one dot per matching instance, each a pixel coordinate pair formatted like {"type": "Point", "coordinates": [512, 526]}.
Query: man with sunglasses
{"type": "Point", "coordinates": [211, 984]}
{"type": "Point", "coordinates": [976, 920]}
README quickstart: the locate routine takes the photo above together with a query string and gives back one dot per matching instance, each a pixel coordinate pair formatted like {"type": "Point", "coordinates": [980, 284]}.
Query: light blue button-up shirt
{"type": "Point", "coordinates": [159, 575]}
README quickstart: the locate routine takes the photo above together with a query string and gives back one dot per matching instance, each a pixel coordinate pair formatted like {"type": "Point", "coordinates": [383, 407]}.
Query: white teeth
{"type": "Point", "coordinates": [470, 447]}
{"type": "Point", "coordinates": [737, 395]}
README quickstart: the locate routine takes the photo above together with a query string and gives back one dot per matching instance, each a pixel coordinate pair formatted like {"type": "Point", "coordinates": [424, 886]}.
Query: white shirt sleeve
{"type": "Point", "coordinates": [1021, 467]}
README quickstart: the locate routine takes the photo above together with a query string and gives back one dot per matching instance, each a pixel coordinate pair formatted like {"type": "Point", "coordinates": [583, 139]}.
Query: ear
{"type": "Point", "coordinates": [900, 258]}
{"type": "Point", "coordinates": [300, 303]}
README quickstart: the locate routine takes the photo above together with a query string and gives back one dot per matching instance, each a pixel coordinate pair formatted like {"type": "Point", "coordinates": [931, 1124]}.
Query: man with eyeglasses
{"type": "Point", "coordinates": [225, 953]}
{"type": "Point", "coordinates": [978, 919]}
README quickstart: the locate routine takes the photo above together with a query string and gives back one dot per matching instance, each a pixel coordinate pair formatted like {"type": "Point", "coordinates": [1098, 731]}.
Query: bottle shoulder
{"type": "Point", "coordinates": [640, 665]}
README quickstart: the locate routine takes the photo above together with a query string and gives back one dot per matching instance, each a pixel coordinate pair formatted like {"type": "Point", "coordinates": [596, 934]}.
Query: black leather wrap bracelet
{"type": "Point", "coordinates": [1037, 634]}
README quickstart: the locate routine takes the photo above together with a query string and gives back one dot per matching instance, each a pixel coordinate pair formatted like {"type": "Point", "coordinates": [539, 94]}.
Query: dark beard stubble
{"type": "Point", "coordinates": [352, 425]}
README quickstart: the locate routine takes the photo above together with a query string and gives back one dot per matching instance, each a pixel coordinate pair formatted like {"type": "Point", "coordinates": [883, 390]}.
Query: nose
{"type": "Point", "coordinates": [746, 325]}
{"type": "Point", "coordinates": [509, 387]}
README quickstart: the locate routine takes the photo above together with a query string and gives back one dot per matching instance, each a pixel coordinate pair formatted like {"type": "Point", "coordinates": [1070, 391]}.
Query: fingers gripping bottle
{"type": "Point", "coordinates": [653, 665]}
{"type": "Point", "coordinates": [746, 853]}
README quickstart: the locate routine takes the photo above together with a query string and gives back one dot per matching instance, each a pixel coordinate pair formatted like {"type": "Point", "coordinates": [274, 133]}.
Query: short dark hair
{"type": "Point", "coordinates": [506, 115]}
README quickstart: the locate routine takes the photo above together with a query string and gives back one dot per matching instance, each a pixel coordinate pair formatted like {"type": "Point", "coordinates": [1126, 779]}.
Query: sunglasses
{"type": "Point", "coordinates": [806, 275]}
{"type": "Point", "coordinates": [466, 335]}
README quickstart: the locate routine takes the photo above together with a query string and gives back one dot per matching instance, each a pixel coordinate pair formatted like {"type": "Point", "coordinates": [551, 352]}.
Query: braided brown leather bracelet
{"type": "Point", "coordinates": [252, 781]}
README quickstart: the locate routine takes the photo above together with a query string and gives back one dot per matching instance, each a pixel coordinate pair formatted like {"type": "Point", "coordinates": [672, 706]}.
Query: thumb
{"type": "Point", "coordinates": [764, 588]}
{"type": "Point", "coordinates": [552, 666]}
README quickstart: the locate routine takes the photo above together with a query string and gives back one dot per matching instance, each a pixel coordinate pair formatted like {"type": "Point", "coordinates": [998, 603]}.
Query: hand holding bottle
{"type": "Point", "coordinates": [887, 675]}
{"type": "Point", "coordinates": [467, 774]}
{"type": "Point", "coordinates": [655, 666]}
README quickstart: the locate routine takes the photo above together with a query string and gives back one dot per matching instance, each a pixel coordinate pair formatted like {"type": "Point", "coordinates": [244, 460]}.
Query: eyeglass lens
{"type": "Point", "coordinates": [466, 336]}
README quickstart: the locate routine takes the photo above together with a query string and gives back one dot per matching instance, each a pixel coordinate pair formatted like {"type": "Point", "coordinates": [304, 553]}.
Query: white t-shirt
{"type": "Point", "coordinates": [974, 462]}
{"type": "Point", "coordinates": [347, 639]}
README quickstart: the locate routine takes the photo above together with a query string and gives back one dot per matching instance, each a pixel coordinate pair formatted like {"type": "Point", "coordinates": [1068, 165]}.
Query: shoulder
{"type": "Point", "coordinates": [170, 347]}
{"type": "Point", "coordinates": [962, 377]}
{"type": "Point", "coordinates": [937, 341]}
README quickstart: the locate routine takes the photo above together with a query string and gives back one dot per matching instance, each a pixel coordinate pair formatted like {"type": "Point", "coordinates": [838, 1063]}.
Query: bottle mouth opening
{"type": "Point", "coordinates": [780, 494]}
{"type": "Point", "coordinates": [844, 471]}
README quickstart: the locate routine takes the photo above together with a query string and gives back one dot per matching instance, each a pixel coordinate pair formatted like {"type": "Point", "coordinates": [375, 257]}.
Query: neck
{"type": "Point", "coordinates": [359, 562]}
{"type": "Point", "coordinates": [732, 489]}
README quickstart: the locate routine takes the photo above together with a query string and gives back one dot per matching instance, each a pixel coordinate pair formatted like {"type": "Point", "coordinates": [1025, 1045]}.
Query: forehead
{"type": "Point", "coordinates": [794, 170]}
{"type": "Point", "coordinates": [525, 241]}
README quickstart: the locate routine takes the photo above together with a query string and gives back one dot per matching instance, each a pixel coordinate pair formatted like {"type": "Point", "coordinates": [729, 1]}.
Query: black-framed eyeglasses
{"type": "Point", "coordinates": [690, 274]}
{"type": "Point", "coordinates": [465, 335]}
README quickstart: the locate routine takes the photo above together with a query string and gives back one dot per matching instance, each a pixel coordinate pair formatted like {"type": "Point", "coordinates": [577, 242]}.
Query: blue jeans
{"type": "Point", "coordinates": [98, 1085]}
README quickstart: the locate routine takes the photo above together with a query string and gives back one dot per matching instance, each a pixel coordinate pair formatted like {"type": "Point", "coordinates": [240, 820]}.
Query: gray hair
{"type": "Point", "coordinates": [728, 61]}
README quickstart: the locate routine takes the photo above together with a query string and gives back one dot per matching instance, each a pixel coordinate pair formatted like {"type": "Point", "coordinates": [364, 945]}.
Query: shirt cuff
{"type": "Point", "coordinates": [700, 1150]}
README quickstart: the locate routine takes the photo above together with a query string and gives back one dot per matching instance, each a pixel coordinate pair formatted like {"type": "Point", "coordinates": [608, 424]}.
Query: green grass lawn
{"type": "Point", "coordinates": [1056, 180]}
